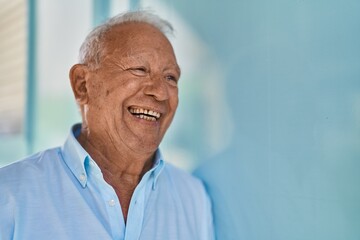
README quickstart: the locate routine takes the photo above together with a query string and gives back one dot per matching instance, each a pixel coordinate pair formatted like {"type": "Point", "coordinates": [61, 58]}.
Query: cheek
{"type": "Point", "coordinates": [121, 90]}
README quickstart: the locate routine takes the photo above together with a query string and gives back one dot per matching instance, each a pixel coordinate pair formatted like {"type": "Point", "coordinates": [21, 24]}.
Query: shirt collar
{"type": "Point", "coordinates": [158, 167]}
{"type": "Point", "coordinates": [75, 156]}
{"type": "Point", "coordinates": [77, 159]}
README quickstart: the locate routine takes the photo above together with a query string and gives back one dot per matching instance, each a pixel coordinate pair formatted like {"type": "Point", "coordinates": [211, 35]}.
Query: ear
{"type": "Point", "coordinates": [78, 79]}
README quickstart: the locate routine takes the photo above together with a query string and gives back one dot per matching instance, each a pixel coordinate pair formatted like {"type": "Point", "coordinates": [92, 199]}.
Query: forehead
{"type": "Point", "coordinates": [130, 38]}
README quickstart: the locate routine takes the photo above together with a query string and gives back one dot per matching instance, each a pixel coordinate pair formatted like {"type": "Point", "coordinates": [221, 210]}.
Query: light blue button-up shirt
{"type": "Point", "coordinates": [60, 193]}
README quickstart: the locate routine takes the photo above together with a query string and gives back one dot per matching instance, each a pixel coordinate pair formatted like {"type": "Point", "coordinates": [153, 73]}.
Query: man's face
{"type": "Point", "coordinates": [133, 93]}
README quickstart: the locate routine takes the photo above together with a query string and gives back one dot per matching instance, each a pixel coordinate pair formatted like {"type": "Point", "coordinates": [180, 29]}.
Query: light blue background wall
{"type": "Point", "coordinates": [292, 76]}
{"type": "Point", "coordinates": [269, 115]}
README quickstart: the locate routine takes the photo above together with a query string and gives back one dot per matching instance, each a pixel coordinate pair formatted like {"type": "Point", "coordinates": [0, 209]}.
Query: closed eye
{"type": "Point", "coordinates": [139, 71]}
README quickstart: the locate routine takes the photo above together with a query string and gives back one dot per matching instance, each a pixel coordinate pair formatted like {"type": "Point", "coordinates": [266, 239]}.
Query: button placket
{"type": "Point", "coordinates": [111, 202]}
{"type": "Point", "coordinates": [82, 177]}
{"type": "Point", "coordinates": [136, 210]}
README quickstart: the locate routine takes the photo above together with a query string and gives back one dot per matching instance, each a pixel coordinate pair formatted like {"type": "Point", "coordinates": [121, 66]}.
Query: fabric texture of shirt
{"type": "Point", "coordinates": [60, 193]}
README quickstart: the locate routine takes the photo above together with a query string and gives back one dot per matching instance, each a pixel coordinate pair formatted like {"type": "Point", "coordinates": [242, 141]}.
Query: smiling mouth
{"type": "Point", "coordinates": [146, 114]}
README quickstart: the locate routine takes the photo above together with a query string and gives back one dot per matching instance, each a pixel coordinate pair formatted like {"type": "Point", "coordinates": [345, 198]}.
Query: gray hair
{"type": "Point", "coordinates": [92, 47]}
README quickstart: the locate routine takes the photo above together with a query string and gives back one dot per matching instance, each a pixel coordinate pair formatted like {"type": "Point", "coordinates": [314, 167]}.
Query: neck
{"type": "Point", "coordinates": [117, 164]}
{"type": "Point", "coordinates": [122, 168]}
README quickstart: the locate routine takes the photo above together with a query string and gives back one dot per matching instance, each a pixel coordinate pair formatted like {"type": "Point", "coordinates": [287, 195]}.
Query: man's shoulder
{"type": "Point", "coordinates": [29, 166]}
{"type": "Point", "coordinates": [183, 179]}
{"type": "Point", "coordinates": [191, 194]}
{"type": "Point", "coordinates": [180, 173]}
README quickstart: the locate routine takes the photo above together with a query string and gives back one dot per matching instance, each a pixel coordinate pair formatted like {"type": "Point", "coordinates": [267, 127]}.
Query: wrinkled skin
{"type": "Point", "coordinates": [137, 69]}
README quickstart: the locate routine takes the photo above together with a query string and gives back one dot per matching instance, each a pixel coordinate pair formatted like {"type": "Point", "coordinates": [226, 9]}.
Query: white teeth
{"type": "Point", "coordinates": [152, 119]}
{"type": "Point", "coordinates": [146, 114]}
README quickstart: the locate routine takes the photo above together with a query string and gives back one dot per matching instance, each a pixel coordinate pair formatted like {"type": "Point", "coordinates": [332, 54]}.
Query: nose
{"type": "Point", "coordinates": [157, 88]}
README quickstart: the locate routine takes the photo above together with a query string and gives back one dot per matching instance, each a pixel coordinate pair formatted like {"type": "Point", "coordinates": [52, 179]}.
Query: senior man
{"type": "Point", "coordinates": [109, 179]}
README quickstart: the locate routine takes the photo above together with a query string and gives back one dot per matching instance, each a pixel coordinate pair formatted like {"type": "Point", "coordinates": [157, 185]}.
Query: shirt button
{"type": "Point", "coordinates": [112, 203]}
{"type": "Point", "coordinates": [82, 177]}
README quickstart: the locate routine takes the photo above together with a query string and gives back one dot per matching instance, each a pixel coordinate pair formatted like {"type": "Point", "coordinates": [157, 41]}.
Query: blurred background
{"type": "Point", "coordinates": [269, 113]}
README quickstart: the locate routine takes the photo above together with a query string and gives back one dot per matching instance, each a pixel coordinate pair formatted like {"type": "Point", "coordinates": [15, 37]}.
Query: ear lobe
{"type": "Point", "coordinates": [78, 78]}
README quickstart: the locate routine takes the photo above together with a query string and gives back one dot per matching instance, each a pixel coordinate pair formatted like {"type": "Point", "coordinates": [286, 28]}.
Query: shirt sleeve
{"type": "Point", "coordinates": [210, 232]}
{"type": "Point", "coordinates": [207, 232]}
